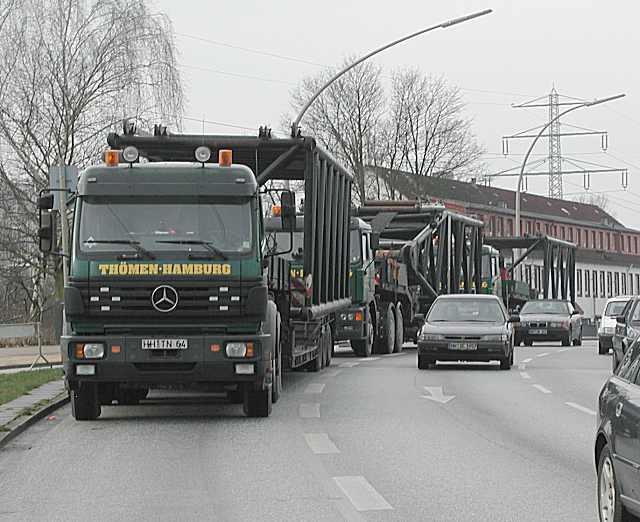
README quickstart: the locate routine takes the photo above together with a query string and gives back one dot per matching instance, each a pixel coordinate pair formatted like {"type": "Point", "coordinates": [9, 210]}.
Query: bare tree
{"type": "Point", "coordinates": [346, 117]}
{"type": "Point", "coordinates": [599, 200]}
{"type": "Point", "coordinates": [70, 70]}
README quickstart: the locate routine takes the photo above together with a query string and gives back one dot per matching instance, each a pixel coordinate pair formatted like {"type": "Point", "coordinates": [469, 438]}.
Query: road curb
{"type": "Point", "coordinates": [27, 366]}
{"type": "Point", "coordinates": [20, 424]}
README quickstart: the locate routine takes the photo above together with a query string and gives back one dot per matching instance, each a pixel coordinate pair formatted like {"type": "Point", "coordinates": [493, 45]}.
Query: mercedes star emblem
{"type": "Point", "coordinates": [164, 298]}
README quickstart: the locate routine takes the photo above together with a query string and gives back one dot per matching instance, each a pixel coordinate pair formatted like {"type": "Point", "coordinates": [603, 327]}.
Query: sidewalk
{"type": "Point", "coordinates": [25, 355]}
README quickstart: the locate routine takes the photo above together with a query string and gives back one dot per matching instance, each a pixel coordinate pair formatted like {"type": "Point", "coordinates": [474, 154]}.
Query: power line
{"type": "Point", "coordinates": [235, 75]}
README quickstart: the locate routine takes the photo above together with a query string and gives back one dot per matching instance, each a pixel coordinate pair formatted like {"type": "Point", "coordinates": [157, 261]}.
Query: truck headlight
{"type": "Point", "coordinates": [93, 351]}
{"type": "Point", "coordinates": [236, 349]}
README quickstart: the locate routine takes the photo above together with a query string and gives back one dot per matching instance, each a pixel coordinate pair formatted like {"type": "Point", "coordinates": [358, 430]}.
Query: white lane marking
{"type": "Point", "coordinates": [522, 367]}
{"type": "Point", "coordinates": [333, 373]}
{"type": "Point", "coordinates": [525, 375]}
{"type": "Point", "coordinates": [394, 354]}
{"type": "Point", "coordinates": [543, 354]}
{"type": "Point", "coordinates": [362, 495]}
{"type": "Point", "coordinates": [581, 408]}
{"type": "Point", "coordinates": [320, 443]}
{"type": "Point", "coordinates": [436, 394]}
{"type": "Point", "coordinates": [365, 359]}
{"type": "Point", "coordinates": [564, 350]}
{"type": "Point", "coordinates": [348, 364]}
{"type": "Point", "coordinates": [527, 361]}
{"type": "Point", "coordinates": [541, 388]}
{"type": "Point", "coordinates": [309, 410]}
{"type": "Point", "coordinates": [314, 387]}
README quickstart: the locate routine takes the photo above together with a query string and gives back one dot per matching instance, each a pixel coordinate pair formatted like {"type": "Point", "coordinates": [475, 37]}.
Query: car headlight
{"type": "Point", "coordinates": [496, 337]}
{"type": "Point", "coordinates": [431, 337]}
{"type": "Point", "coordinates": [559, 324]}
{"type": "Point", "coordinates": [236, 349]}
{"type": "Point", "coordinates": [93, 351]}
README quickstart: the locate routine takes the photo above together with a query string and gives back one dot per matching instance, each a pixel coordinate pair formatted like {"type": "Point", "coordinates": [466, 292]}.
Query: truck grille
{"type": "Point", "coordinates": [132, 300]}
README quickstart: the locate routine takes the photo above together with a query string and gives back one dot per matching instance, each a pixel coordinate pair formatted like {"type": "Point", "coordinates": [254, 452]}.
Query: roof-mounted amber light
{"type": "Point", "coordinates": [112, 157]}
{"type": "Point", "coordinates": [276, 210]}
{"type": "Point", "coordinates": [225, 157]}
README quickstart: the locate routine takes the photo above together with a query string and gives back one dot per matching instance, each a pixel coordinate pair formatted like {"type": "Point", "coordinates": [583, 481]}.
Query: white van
{"type": "Point", "coordinates": [612, 309]}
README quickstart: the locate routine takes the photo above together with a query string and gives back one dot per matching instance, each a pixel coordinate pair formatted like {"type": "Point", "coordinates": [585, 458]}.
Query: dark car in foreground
{"type": "Point", "coordinates": [626, 330]}
{"type": "Point", "coordinates": [466, 328]}
{"type": "Point", "coordinates": [549, 320]}
{"type": "Point", "coordinates": [617, 446]}
{"type": "Point", "coordinates": [606, 331]}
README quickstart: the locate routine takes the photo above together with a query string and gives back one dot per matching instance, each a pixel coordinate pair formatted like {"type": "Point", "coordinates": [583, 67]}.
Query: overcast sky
{"type": "Point", "coordinates": [586, 48]}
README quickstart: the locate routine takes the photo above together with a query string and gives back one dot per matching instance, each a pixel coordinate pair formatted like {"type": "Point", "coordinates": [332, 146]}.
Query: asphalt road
{"type": "Point", "coordinates": [372, 439]}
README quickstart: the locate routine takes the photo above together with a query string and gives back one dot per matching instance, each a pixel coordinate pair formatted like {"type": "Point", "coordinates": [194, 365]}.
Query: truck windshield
{"type": "Point", "coordinates": [355, 254]}
{"type": "Point", "coordinates": [165, 224]}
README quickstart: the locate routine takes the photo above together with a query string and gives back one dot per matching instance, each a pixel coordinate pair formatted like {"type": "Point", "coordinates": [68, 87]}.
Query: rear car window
{"type": "Point", "coordinates": [615, 308]}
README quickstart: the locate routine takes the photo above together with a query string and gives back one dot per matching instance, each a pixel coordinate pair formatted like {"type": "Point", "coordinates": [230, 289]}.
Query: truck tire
{"type": "Point", "coordinates": [578, 340]}
{"type": "Point", "coordinates": [364, 347]}
{"type": "Point", "coordinates": [84, 402]}
{"type": "Point", "coordinates": [257, 403]}
{"type": "Point", "coordinates": [236, 396]}
{"type": "Point", "coordinates": [399, 340]}
{"type": "Point", "coordinates": [506, 362]}
{"type": "Point", "coordinates": [601, 349]}
{"type": "Point", "coordinates": [317, 364]}
{"type": "Point", "coordinates": [276, 385]}
{"type": "Point", "coordinates": [386, 342]}
{"type": "Point", "coordinates": [329, 348]}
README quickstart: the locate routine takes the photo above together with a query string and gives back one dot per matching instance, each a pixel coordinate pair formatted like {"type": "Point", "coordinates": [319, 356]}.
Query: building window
{"type": "Point", "coordinates": [538, 228]}
{"type": "Point", "coordinates": [595, 283]}
{"type": "Point", "coordinates": [593, 239]}
{"type": "Point", "coordinates": [609, 241]}
{"type": "Point", "coordinates": [609, 284]}
{"type": "Point", "coordinates": [510, 226]}
{"type": "Point", "coordinates": [537, 278]}
{"type": "Point", "coordinates": [547, 229]}
{"type": "Point", "coordinates": [623, 278]}
{"type": "Point", "coordinates": [631, 284]}
{"type": "Point", "coordinates": [635, 241]}
{"type": "Point", "coordinates": [637, 283]}
{"type": "Point", "coordinates": [578, 236]}
{"type": "Point", "coordinates": [616, 242]}
{"type": "Point", "coordinates": [579, 282]}
{"type": "Point", "coordinates": [629, 244]}
{"type": "Point", "coordinates": [603, 288]}
{"type": "Point", "coordinates": [616, 279]}
{"type": "Point", "coordinates": [587, 286]}
{"type": "Point", "coordinates": [527, 274]}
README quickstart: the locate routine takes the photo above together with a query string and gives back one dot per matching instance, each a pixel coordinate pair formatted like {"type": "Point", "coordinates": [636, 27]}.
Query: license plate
{"type": "Point", "coordinates": [465, 347]}
{"type": "Point", "coordinates": [538, 332]}
{"type": "Point", "coordinates": [164, 344]}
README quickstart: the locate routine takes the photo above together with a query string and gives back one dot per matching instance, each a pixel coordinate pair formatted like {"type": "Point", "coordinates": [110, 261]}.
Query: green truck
{"type": "Point", "coordinates": [167, 268]}
{"type": "Point", "coordinates": [403, 255]}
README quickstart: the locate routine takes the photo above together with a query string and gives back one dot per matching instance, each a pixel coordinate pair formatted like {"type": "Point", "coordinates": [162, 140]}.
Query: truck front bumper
{"type": "Point", "coordinates": [203, 361]}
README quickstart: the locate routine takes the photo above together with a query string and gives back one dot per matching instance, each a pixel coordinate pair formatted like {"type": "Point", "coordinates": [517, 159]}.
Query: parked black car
{"type": "Point", "coordinates": [626, 330]}
{"type": "Point", "coordinates": [549, 320]}
{"type": "Point", "coordinates": [466, 328]}
{"type": "Point", "coordinates": [617, 446]}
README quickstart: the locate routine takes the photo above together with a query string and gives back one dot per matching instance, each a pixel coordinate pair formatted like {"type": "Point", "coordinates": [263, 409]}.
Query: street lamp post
{"type": "Point", "coordinates": [295, 125]}
{"type": "Point", "coordinates": [526, 157]}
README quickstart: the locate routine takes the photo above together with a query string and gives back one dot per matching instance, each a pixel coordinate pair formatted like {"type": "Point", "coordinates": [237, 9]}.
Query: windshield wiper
{"type": "Point", "coordinates": [207, 244]}
{"type": "Point", "coordinates": [132, 243]}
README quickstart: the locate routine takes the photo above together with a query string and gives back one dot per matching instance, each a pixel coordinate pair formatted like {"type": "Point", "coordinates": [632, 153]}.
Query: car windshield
{"type": "Point", "coordinates": [545, 307]}
{"type": "Point", "coordinates": [166, 224]}
{"type": "Point", "coordinates": [466, 310]}
{"type": "Point", "coordinates": [615, 308]}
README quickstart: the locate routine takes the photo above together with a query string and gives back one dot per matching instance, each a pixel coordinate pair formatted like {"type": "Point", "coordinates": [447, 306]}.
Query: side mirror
{"type": "Point", "coordinates": [288, 216]}
{"type": "Point", "coordinates": [575, 312]}
{"type": "Point", "coordinates": [620, 319]}
{"type": "Point", "coordinates": [47, 232]}
{"type": "Point", "coordinates": [514, 318]}
{"type": "Point", "coordinates": [375, 243]}
{"type": "Point", "coordinates": [45, 202]}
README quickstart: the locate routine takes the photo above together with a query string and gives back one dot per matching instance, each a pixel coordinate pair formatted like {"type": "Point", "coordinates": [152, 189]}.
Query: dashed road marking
{"type": "Point", "coordinates": [581, 408]}
{"type": "Point", "coordinates": [362, 495]}
{"type": "Point", "coordinates": [321, 444]}
{"type": "Point", "coordinates": [309, 410]}
{"type": "Point", "coordinates": [333, 373]}
{"type": "Point", "coordinates": [564, 350]}
{"type": "Point", "coordinates": [365, 359]}
{"type": "Point", "coordinates": [543, 354]}
{"type": "Point", "coordinates": [522, 367]}
{"type": "Point", "coordinates": [394, 354]}
{"type": "Point", "coordinates": [525, 375]}
{"type": "Point", "coordinates": [541, 388]}
{"type": "Point", "coordinates": [348, 364]}
{"type": "Point", "coordinates": [527, 361]}
{"type": "Point", "coordinates": [314, 387]}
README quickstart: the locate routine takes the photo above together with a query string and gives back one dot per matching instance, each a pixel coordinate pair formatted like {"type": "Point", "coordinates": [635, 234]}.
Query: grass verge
{"type": "Point", "coordinates": [13, 385]}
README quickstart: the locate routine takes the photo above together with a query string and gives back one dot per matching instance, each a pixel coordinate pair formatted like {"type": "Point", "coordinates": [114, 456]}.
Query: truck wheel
{"type": "Point", "coordinates": [399, 340]}
{"type": "Point", "coordinates": [364, 347]}
{"type": "Point", "coordinates": [236, 396]}
{"type": "Point", "coordinates": [329, 348]}
{"type": "Point", "coordinates": [257, 403]}
{"type": "Point", "coordinates": [387, 340]}
{"type": "Point", "coordinates": [84, 402]}
{"type": "Point", "coordinates": [317, 364]}
{"type": "Point", "coordinates": [578, 341]}
{"type": "Point", "coordinates": [601, 349]}
{"type": "Point", "coordinates": [276, 386]}
{"type": "Point", "coordinates": [424, 362]}
{"type": "Point", "coordinates": [506, 362]}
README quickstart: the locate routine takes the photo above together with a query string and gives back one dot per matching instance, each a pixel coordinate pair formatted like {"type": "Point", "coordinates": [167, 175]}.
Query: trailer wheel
{"type": "Point", "coordinates": [84, 402]}
{"type": "Point", "coordinates": [257, 403]}
{"type": "Point", "coordinates": [387, 340]}
{"type": "Point", "coordinates": [364, 347]}
{"type": "Point", "coordinates": [399, 340]}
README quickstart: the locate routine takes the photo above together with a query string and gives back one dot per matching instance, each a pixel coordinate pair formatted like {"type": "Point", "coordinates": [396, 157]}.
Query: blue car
{"type": "Point", "coordinates": [617, 447]}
